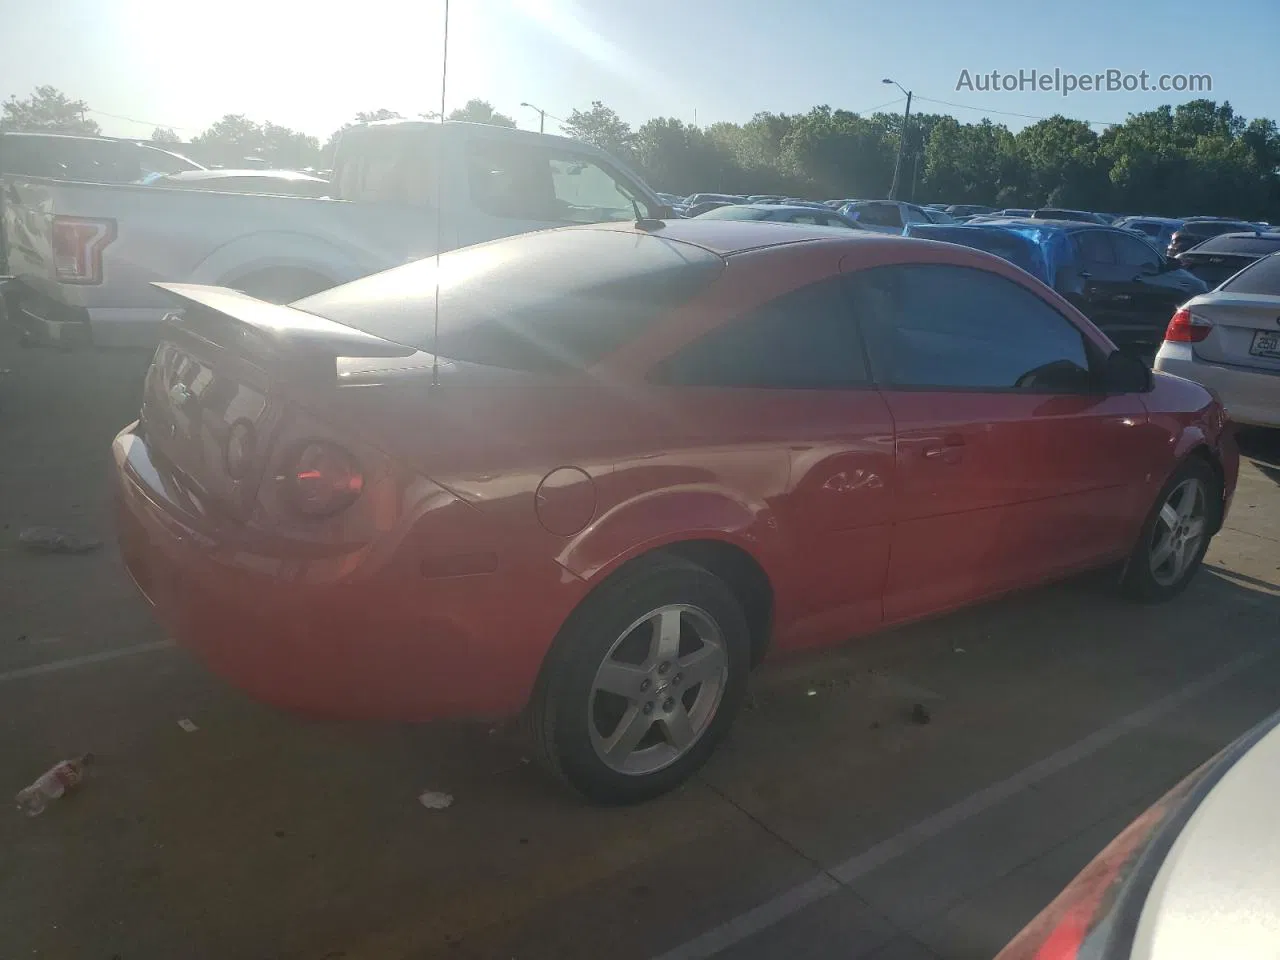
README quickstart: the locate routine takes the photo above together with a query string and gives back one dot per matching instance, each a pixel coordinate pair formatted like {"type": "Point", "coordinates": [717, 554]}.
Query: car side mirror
{"type": "Point", "coordinates": [1125, 373]}
{"type": "Point", "coordinates": [1171, 264]}
{"type": "Point", "coordinates": [1150, 269]}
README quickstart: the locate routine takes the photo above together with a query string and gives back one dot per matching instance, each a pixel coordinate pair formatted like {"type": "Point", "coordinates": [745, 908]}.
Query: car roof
{"type": "Point", "coordinates": [729, 237]}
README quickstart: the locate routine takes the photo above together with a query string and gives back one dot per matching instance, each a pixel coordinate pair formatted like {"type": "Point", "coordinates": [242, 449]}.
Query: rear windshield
{"type": "Point", "coordinates": [1251, 245]}
{"type": "Point", "coordinates": [1261, 276]}
{"type": "Point", "coordinates": [543, 302]}
{"type": "Point", "coordinates": [1211, 228]}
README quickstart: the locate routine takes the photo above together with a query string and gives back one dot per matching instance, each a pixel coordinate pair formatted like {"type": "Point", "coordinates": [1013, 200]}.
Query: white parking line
{"type": "Point", "coordinates": [827, 882]}
{"type": "Point", "coordinates": [71, 663]}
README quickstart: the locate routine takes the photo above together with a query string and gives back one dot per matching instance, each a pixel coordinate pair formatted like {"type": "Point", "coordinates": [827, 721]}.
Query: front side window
{"type": "Point", "coordinates": [522, 181]}
{"type": "Point", "coordinates": [586, 193]}
{"type": "Point", "coordinates": [1132, 252]}
{"type": "Point", "coordinates": [803, 340]}
{"type": "Point", "coordinates": [946, 327]}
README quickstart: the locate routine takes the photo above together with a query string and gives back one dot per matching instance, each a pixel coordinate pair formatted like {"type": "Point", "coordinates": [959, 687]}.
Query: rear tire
{"type": "Point", "coordinates": [1176, 534]}
{"type": "Point", "coordinates": [643, 682]}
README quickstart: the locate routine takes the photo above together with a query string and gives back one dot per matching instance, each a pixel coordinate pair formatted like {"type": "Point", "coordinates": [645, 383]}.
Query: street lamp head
{"type": "Point", "coordinates": [886, 80]}
{"type": "Point", "coordinates": [530, 105]}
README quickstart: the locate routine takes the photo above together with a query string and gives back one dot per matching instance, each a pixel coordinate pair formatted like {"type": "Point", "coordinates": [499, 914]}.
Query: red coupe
{"type": "Point", "coordinates": [600, 472]}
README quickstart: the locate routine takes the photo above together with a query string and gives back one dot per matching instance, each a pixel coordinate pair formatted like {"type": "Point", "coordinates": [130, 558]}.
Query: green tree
{"type": "Point", "coordinates": [603, 128]}
{"type": "Point", "coordinates": [164, 135]}
{"type": "Point", "coordinates": [48, 108]}
{"type": "Point", "coordinates": [1063, 167]}
{"type": "Point", "coordinates": [481, 111]}
{"type": "Point", "coordinates": [235, 138]}
{"type": "Point", "coordinates": [362, 116]}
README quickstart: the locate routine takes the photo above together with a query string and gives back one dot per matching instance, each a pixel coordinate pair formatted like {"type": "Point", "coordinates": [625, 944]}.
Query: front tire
{"type": "Point", "coordinates": [644, 680]}
{"type": "Point", "coordinates": [1176, 534]}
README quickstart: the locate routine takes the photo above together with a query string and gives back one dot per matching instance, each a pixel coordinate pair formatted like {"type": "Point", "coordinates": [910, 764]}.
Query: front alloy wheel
{"type": "Point", "coordinates": [1178, 532]}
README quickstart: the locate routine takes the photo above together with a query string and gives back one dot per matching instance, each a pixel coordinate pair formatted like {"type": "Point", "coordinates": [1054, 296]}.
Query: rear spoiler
{"type": "Point", "coordinates": [290, 334]}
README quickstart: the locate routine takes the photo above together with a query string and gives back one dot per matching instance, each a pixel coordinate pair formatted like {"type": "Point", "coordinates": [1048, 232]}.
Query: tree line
{"type": "Point", "coordinates": [1198, 157]}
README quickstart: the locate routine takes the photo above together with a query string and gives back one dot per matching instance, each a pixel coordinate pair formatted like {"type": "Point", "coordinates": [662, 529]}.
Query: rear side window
{"type": "Point", "coordinates": [945, 327]}
{"type": "Point", "coordinates": [542, 302]}
{"type": "Point", "coordinates": [1261, 276]}
{"type": "Point", "coordinates": [1094, 246]}
{"type": "Point", "coordinates": [803, 340]}
{"type": "Point", "coordinates": [388, 166]}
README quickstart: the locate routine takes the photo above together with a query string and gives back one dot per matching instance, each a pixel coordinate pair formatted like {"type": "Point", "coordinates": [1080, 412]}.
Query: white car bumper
{"type": "Point", "coordinates": [1252, 397]}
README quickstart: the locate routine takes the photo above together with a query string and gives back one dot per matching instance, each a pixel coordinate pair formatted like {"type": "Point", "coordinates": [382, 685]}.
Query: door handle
{"type": "Point", "coordinates": [1086, 275]}
{"type": "Point", "coordinates": [948, 451]}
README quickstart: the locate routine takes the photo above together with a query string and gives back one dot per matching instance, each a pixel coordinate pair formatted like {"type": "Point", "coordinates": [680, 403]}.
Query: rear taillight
{"type": "Point", "coordinates": [78, 243]}
{"type": "Point", "coordinates": [325, 479]}
{"type": "Point", "coordinates": [1186, 327]}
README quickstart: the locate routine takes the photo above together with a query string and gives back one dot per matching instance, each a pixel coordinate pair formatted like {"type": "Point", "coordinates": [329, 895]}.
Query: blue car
{"type": "Point", "coordinates": [1021, 247]}
{"type": "Point", "coordinates": [1114, 277]}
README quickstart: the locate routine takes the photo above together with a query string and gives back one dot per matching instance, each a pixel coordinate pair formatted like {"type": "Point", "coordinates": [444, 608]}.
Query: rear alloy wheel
{"type": "Point", "coordinates": [1176, 535]}
{"type": "Point", "coordinates": [643, 682]}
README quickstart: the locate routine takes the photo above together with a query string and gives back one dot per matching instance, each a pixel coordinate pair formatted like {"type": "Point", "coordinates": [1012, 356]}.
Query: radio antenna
{"type": "Point", "coordinates": [439, 153]}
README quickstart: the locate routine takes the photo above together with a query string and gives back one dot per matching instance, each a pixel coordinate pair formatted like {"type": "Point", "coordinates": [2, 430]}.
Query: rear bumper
{"type": "Point", "coordinates": [44, 321]}
{"type": "Point", "coordinates": [1252, 397]}
{"type": "Point", "coordinates": [385, 643]}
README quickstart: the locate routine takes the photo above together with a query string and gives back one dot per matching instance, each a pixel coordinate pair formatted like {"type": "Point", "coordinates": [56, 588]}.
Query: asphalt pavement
{"type": "Point", "coordinates": [920, 793]}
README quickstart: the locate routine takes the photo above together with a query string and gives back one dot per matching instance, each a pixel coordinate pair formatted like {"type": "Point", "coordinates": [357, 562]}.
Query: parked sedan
{"type": "Point", "coordinates": [601, 472]}
{"type": "Point", "coordinates": [1158, 230]}
{"type": "Point", "coordinates": [702, 206]}
{"type": "Point", "coordinates": [1196, 231]}
{"type": "Point", "coordinates": [1058, 213]}
{"type": "Point", "coordinates": [1226, 254]}
{"type": "Point", "coordinates": [1115, 278]}
{"type": "Point", "coordinates": [1018, 247]}
{"type": "Point", "coordinates": [885, 216]}
{"type": "Point", "coordinates": [1229, 339]}
{"type": "Point", "coordinates": [819, 216]}
{"type": "Point", "coordinates": [1196, 875]}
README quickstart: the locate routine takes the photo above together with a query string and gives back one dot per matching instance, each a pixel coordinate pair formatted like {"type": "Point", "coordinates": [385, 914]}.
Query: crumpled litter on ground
{"type": "Point", "coordinates": [435, 800]}
{"type": "Point", "coordinates": [53, 540]}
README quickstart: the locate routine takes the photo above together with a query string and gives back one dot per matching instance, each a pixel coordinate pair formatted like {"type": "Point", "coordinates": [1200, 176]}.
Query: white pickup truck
{"type": "Point", "coordinates": [84, 255]}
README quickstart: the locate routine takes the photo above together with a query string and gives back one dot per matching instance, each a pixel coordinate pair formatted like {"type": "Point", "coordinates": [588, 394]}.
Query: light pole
{"type": "Point", "coordinates": [542, 116]}
{"type": "Point", "coordinates": [902, 138]}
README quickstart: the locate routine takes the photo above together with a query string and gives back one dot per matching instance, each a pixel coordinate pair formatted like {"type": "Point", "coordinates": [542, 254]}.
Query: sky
{"type": "Point", "coordinates": [312, 65]}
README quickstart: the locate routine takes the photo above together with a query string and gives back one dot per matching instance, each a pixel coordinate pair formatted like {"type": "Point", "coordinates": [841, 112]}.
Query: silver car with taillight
{"type": "Point", "coordinates": [1229, 340]}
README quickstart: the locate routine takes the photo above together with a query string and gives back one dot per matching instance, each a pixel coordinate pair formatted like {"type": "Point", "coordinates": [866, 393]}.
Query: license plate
{"type": "Point", "coordinates": [1266, 343]}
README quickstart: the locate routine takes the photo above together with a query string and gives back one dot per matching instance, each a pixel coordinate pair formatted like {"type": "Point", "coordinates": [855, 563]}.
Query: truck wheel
{"type": "Point", "coordinates": [1176, 534]}
{"type": "Point", "coordinates": [643, 681]}
{"type": "Point", "coordinates": [282, 285]}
